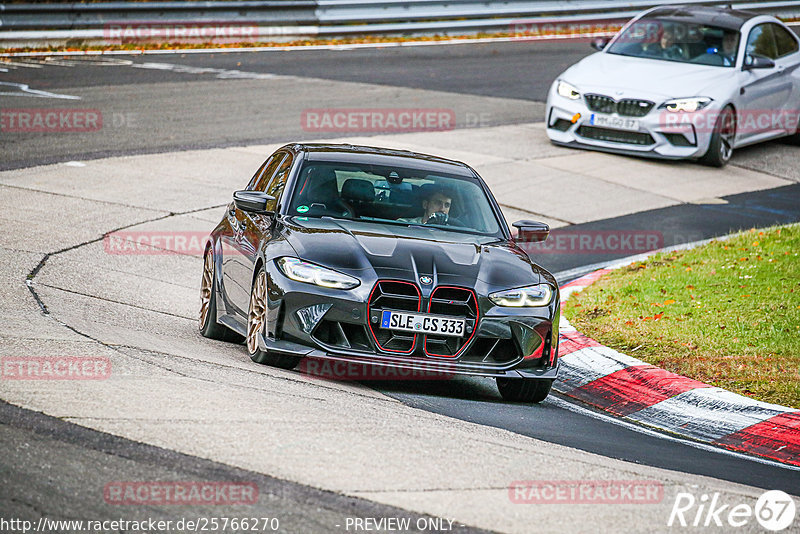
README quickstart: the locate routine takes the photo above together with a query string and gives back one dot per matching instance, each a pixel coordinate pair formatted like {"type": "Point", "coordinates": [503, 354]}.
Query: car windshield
{"type": "Point", "coordinates": [683, 42]}
{"type": "Point", "coordinates": [396, 195]}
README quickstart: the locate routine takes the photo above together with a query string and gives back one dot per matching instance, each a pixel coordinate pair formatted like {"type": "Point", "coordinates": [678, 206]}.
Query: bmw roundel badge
{"type": "Point", "coordinates": [425, 280]}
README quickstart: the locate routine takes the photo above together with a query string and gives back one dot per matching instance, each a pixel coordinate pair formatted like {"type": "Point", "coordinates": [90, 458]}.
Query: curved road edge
{"type": "Point", "coordinates": [631, 389]}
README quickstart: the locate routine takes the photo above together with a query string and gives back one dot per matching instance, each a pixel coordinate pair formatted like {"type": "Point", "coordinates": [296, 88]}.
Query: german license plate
{"type": "Point", "coordinates": [423, 323]}
{"type": "Point", "coordinates": [618, 123]}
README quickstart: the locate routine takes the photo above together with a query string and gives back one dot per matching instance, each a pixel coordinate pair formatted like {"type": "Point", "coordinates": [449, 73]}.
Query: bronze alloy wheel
{"type": "Point", "coordinates": [257, 315]}
{"type": "Point", "coordinates": [206, 286]}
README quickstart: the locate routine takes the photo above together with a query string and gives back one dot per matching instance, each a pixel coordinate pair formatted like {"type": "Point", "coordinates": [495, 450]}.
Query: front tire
{"type": "Point", "coordinates": [256, 324]}
{"type": "Point", "coordinates": [524, 389]}
{"type": "Point", "coordinates": [209, 327]}
{"type": "Point", "coordinates": [720, 149]}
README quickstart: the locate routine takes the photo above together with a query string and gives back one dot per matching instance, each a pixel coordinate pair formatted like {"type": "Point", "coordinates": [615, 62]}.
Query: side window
{"type": "Point", "coordinates": [278, 182]}
{"type": "Point", "coordinates": [263, 180]}
{"type": "Point", "coordinates": [258, 174]}
{"type": "Point", "coordinates": [784, 40]}
{"type": "Point", "coordinates": [762, 41]}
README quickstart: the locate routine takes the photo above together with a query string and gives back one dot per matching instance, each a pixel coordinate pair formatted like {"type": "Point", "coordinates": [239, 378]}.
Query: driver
{"type": "Point", "coordinates": [435, 205]}
{"type": "Point", "coordinates": [730, 43]}
{"type": "Point", "coordinates": [666, 47]}
{"type": "Point", "coordinates": [669, 48]}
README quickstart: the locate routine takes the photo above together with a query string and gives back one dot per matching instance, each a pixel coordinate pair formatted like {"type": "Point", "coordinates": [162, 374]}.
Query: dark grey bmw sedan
{"type": "Point", "coordinates": [382, 258]}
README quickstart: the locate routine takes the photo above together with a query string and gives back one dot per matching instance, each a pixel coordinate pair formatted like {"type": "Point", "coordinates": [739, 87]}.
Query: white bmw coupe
{"type": "Point", "coordinates": [682, 82]}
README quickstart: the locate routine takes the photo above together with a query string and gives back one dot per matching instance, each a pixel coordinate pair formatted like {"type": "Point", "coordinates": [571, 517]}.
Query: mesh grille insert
{"type": "Point", "coordinates": [455, 302]}
{"type": "Point", "coordinates": [397, 296]}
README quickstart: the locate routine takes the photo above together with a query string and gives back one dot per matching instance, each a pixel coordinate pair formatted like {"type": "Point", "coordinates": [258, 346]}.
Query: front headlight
{"type": "Point", "coordinates": [531, 296]}
{"type": "Point", "coordinates": [310, 273]}
{"type": "Point", "coordinates": [689, 105]}
{"type": "Point", "coordinates": [567, 90]}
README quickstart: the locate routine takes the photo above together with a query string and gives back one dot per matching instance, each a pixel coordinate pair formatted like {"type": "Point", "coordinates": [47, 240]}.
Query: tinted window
{"type": "Point", "coordinates": [278, 181]}
{"type": "Point", "coordinates": [784, 40]}
{"type": "Point", "coordinates": [666, 39]}
{"type": "Point", "coordinates": [395, 195]}
{"type": "Point", "coordinates": [762, 41]}
{"type": "Point", "coordinates": [264, 178]}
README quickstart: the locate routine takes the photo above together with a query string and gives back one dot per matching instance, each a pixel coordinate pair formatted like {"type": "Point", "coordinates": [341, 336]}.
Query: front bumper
{"type": "Point", "coordinates": [415, 368]}
{"type": "Point", "coordinates": [661, 134]}
{"type": "Point", "coordinates": [335, 325]}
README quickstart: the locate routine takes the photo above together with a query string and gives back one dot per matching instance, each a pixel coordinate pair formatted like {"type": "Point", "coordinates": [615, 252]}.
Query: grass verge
{"type": "Point", "coordinates": [727, 313]}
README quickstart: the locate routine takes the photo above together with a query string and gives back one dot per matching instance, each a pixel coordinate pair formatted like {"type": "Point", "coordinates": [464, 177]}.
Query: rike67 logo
{"type": "Point", "coordinates": [774, 510]}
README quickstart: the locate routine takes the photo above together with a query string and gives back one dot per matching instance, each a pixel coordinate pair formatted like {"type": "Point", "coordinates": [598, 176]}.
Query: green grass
{"type": "Point", "coordinates": [727, 313]}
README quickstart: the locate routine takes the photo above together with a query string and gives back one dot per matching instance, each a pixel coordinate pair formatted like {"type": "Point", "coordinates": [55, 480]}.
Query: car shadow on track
{"type": "Point", "coordinates": [462, 388]}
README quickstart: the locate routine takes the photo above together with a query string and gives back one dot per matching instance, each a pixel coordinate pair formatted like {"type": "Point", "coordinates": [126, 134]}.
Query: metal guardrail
{"type": "Point", "coordinates": [87, 23]}
{"type": "Point", "coordinates": [74, 16]}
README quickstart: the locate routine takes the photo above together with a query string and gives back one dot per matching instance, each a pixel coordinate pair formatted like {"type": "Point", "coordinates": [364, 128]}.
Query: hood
{"type": "Point", "coordinates": [406, 253]}
{"type": "Point", "coordinates": [653, 79]}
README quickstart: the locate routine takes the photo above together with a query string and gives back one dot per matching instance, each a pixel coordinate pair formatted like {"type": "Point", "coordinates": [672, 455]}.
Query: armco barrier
{"type": "Point", "coordinates": [87, 23]}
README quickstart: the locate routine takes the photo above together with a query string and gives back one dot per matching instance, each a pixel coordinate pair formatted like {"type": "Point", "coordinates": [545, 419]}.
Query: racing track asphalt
{"type": "Point", "coordinates": [462, 70]}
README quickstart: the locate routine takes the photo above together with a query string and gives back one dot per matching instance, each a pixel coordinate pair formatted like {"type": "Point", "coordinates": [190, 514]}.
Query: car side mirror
{"type": "Point", "coordinates": [531, 231]}
{"type": "Point", "coordinates": [600, 43]}
{"type": "Point", "coordinates": [252, 201]}
{"type": "Point", "coordinates": [755, 61]}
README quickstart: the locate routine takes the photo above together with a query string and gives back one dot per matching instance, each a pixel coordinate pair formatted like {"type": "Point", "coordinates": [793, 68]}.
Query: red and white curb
{"type": "Point", "coordinates": [637, 391]}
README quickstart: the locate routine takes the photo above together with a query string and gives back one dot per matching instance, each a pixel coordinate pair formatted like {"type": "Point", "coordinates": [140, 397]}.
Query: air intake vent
{"type": "Point", "coordinates": [627, 107]}
{"type": "Point", "coordinates": [455, 302]}
{"type": "Point", "coordinates": [616, 136]}
{"type": "Point", "coordinates": [397, 296]}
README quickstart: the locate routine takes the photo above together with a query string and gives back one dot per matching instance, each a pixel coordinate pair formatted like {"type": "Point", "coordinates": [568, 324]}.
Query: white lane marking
{"type": "Point", "coordinates": [25, 90]}
{"type": "Point", "coordinates": [707, 414]}
{"type": "Point", "coordinates": [75, 164]}
{"type": "Point", "coordinates": [220, 73]}
{"type": "Point", "coordinates": [101, 61]}
{"type": "Point", "coordinates": [29, 64]}
{"type": "Point", "coordinates": [561, 403]}
{"type": "Point", "coordinates": [58, 62]}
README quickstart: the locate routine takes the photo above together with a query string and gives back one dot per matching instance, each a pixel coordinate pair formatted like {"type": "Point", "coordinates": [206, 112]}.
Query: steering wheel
{"type": "Point", "coordinates": [347, 209]}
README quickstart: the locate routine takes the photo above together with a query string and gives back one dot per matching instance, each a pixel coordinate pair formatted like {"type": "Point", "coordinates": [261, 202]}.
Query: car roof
{"type": "Point", "coordinates": [727, 18]}
{"type": "Point", "coordinates": [381, 156]}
